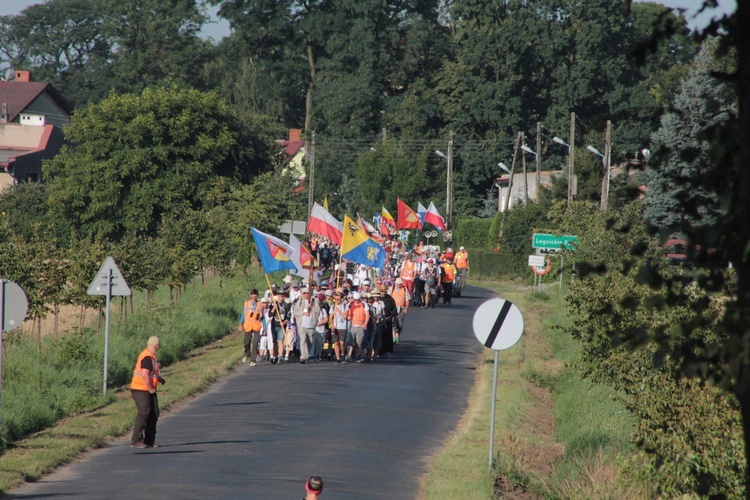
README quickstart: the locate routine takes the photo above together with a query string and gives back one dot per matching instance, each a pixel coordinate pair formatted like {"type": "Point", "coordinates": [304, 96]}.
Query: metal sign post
{"type": "Point", "coordinates": [108, 282]}
{"type": "Point", "coordinates": [13, 308]}
{"type": "Point", "coordinates": [498, 324]}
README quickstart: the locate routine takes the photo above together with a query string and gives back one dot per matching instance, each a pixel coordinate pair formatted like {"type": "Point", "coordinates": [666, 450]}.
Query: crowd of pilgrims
{"type": "Point", "coordinates": [345, 312]}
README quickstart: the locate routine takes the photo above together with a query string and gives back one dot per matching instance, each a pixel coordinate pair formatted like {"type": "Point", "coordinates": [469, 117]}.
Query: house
{"type": "Point", "coordinates": [519, 189]}
{"type": "Point", "coordinates": [31, 118]}
{"type": "Point", "coordinates": [294, 152]}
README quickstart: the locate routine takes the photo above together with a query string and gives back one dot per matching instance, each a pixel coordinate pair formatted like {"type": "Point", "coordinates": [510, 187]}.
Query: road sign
{"type": "Point", "coordinates": [13, 305]}
{"type": "Point", "coordinates": [537, 261]}
{"type": "Point", "coordinates": [118, 285]}
{"type": "Point", "coordinates": [498, 324]}
{"type": "Point", "coordinates": [293, 226]}
{"type": "Point", "coordinates": [553, 242]}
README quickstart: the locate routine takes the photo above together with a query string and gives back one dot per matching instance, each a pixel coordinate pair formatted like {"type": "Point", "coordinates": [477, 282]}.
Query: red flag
{"type": "Point", "coordinates": [384, 230]}
{"type": "Point", "coordinates": [407, 218]}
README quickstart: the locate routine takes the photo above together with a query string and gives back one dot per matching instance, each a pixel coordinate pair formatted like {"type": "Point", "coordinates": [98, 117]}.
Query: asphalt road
{"type": "Point", "coordinates": [367, 429]}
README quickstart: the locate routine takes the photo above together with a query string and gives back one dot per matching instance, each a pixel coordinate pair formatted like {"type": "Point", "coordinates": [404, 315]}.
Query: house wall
{"type": "Point", "coordinates": [5, 180]}
{"type": "Point", "coordinates": [54, 114]}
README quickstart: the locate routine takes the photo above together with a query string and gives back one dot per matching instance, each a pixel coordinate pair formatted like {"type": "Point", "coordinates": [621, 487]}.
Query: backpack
{"type": "Point", "coordinates": [325, 253]}
{"type": "Point", "coordinates": [431, 280]}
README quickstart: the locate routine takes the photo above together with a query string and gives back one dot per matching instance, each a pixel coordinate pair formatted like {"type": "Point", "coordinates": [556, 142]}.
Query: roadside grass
{"type": "Point", "coordinates": [556, 436]}
{"type": "Point", "coordinates": [199, 332]}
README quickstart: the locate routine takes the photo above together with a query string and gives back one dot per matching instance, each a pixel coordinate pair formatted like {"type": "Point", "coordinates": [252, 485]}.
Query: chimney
{"type": "Point", "coordinates": [23, 76]}
{"type": "Point", "coordinates": [294, 134]}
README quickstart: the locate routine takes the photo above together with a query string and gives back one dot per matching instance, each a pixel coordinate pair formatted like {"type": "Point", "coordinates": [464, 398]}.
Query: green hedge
{"type": "Point", "coordinates": [490, 264]}
{"type": "Point", "coordinates": [473, 233]}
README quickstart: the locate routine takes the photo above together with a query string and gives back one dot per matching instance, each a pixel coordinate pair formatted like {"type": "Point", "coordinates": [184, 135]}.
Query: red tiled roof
{"type": "Point", "coordinates": [18, 95]}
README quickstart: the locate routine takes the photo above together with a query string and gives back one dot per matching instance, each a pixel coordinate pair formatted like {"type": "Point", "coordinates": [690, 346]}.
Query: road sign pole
{"type": "Point", "coordinates": [106, 329]}
{"type": "Point", "coordinates": [562, 266]}
{"type": "Point", "coordinates": [492, 414]}
{"type": "Point", "coordinates": [2, 334]}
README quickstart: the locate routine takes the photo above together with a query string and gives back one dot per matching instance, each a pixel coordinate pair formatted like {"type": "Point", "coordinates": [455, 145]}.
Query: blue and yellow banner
{"type": "Point", "coordinates": [357, 247]}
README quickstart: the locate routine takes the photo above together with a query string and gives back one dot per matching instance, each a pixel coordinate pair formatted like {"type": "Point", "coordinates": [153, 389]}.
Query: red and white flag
{"type": "Point", "coordinates": [369, 229]}
{"type": "Point", "coordinates": [433, 217]}
{"type": "Point", "coordinates": [325, 224]}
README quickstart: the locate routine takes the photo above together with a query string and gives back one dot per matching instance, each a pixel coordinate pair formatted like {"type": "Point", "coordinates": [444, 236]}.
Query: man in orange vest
{"type": "Point", "coordinates": [251, 322]}
{"type": "Point", "coordinates": [402, 297]}
{"type": "Point", "coordinates": [449, 270]}
{"type": "Point", "coordinates": [408, 273]}
{"type": "Point", "coordinates": [359, 315]}
{"type": "Point", "coordinates": [461, 261]}
{"type": "Point", "coordinates": [143, 390]}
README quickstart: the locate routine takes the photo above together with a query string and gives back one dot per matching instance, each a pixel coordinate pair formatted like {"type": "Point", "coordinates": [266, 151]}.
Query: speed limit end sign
{"type": "Point", "coordinates": [498, 324]}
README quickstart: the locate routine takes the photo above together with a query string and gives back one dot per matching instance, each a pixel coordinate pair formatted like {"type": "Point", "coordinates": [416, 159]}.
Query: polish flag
{"type": "Point", "coordinates": [325, 224]}
{"type": "Point", "coordinates": [433, 217]}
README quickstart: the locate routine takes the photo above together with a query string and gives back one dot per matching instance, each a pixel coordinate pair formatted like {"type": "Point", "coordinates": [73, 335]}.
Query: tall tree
{"type": "Point", "coordinates": [678, 197]}
{"type": "Point", "coordinates": [136, 159]}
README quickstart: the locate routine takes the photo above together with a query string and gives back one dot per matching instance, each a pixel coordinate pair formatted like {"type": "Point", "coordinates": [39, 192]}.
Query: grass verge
{"type": "Point", "coordinates": [41, 453]}
{"type": "Point", "coordinates": [556, 436]}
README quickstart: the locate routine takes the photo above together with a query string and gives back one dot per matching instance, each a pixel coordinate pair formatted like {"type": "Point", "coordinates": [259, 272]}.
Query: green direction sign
{"type": "Point", "coordinates": [553, 242]}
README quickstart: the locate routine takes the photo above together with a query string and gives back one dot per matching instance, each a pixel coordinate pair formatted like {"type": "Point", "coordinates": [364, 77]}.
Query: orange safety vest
{"type": "Point", "coordinates": [462, 260]}
{"type": "Point", "coordinates": [399, 296]}
{"type": "Point", "coordinates": [408, 272]}
{"type": "Point", "coordinates": [358, 315]}
{"type": "Point", "coordinates": [253, 322]}
{"type": "Point", "coordinates": [137, 384]}
{"type": "Point", "coordinates": [450, 272]}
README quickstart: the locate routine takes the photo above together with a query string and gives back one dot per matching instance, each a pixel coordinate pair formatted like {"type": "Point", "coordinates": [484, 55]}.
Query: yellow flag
{"type": "Point", "coordinates": [325, 202]}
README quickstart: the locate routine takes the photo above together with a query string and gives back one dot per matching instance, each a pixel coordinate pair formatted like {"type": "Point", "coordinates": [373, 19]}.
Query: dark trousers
{"type": "Point", "coordinates": [251, 344]}
{"type": "Point", "coordinates": [144, 428]}
{"type": "Point", "coordinates": [418, 291]}
{"type": "Point", "coordinates": [447, 292]}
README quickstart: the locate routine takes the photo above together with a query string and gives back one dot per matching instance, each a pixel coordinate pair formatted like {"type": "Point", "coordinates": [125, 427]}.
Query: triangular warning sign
{"type": "Point", "coordinates": [109, 272]}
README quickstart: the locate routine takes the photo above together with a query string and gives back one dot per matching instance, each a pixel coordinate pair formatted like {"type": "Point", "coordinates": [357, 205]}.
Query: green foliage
{"type": "Point", "coordinates": [679, 199]}
{"type": "Point", "coordinates": [388, 173]}
{"type": "Point", "coordinates": [690, 432]}
{"type": "Point", "coordinates": [135, 160]}
{"type": "Point", "coordinates": [490, 264]}
{"type": "Point", "coordinates": [36, 394]}
{"type": "Point", "coordinates": [519, 224]}
{"type": "Point", "coordinates": [473, 233]}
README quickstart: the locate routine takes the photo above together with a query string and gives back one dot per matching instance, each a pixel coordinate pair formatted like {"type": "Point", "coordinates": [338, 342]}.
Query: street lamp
{"type": "Point", "coordinates": [528, 149]}
{"type": "Point", "coordinates": [448, 180]}
{"type": "Point", "coordinates": [560, 141]}
{"type": "Point", "coordinates": [607, 171]}
{"type": "Point", "coordinates": [504, 167]}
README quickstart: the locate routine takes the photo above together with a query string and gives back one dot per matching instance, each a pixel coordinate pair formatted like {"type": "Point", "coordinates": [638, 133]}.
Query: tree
{"type": "Point", "coordinates": [678, 196]}
{"type": "Point", "coordinates": [134, 160]}
{"type": "Point", "coordinates": [86, 48]}
{"type": "Point", "coordinates": [62, 42]}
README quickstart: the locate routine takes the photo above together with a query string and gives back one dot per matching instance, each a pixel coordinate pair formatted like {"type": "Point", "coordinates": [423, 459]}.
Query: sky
{"type": "Point", "coordinates": [218, 28]}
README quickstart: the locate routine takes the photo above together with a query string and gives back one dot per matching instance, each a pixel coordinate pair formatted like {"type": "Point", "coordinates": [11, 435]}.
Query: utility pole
{"type": "Point", "coordinates": [525, 176]}
{"type": "Point", "coordinates": [605, 163]}
{"type": "Point", "coordinates": [384, 134]}
{"type": "Point", "coordinates": [449, 183]}
{"type": "Point", "coordinates": [571, 152]}
{"type": "Point", "coordinates": [512, 170]}
{"type": "Point", "coordinates": [311, 180]}
{"type": "Point", "coordinates": [538, 158]}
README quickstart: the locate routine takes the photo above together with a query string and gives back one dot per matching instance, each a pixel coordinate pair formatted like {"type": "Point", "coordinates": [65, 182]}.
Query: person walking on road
{"type": "Point", "coordinates": [431, 276]}
{"type": "Point", "coordinates": [448, 277]}
{"type": "Point", "coordinates": [402, 298]}
{"type": "Point", "coordinates": [314, 487]}
{"type": "Point", "coordinates": [146, 378]}
{"type": "Point", "coordinates": [251, 322]}
{"type": "Point", "coordinates": [461, 260]}
{"type": "Point", "coordinates": [389, 313]}
{"type": "Point", "coordinates": [306, 312]}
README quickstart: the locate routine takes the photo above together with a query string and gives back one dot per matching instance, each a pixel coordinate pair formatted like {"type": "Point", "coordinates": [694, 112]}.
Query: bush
{"type": "Point", "coordinates": [473, 233]}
